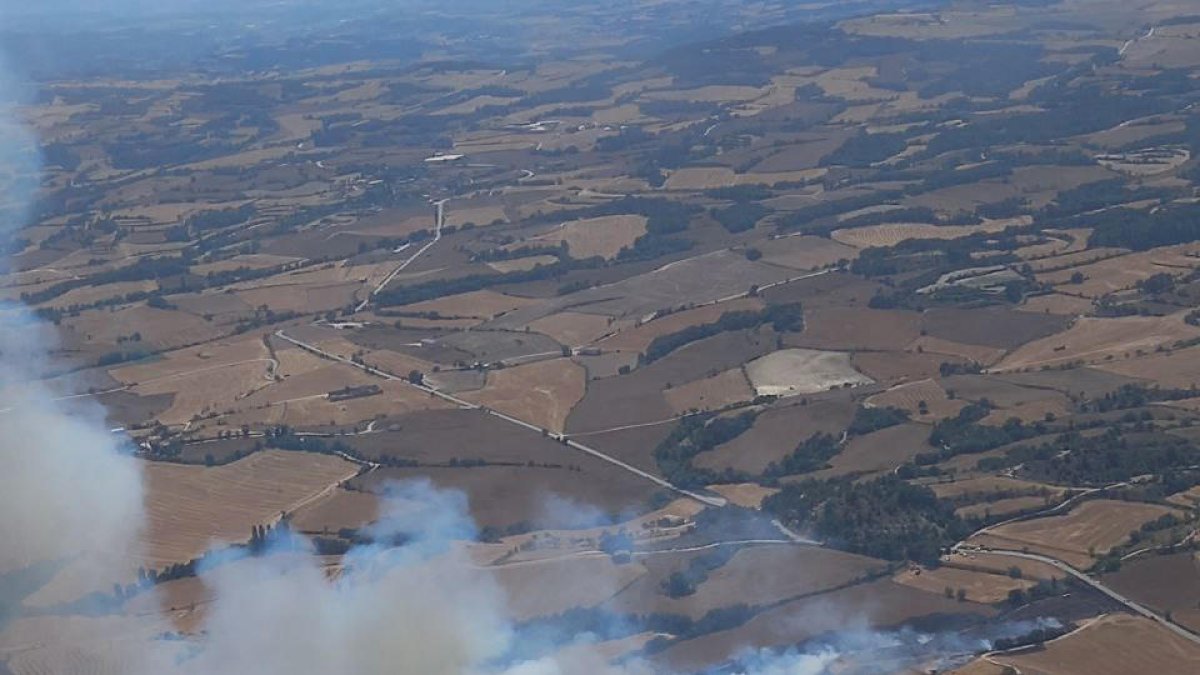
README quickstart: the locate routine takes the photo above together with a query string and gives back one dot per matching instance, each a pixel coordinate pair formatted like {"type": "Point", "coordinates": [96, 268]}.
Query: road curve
{"type": "Point", "coordinates": [1129, 604]}
{"type": "Point", "coordinates": [575, 445]}
{"type": "Point", "coordinates": [440, 221]}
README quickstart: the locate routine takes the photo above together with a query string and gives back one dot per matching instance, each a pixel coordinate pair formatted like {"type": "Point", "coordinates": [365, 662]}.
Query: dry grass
{"type": "Point", "coordinates": [604, 236]}
{"type": "Point", "coordinates": [1176, 369]}
{"type": "Point", "coordinates": [1125, 271]}
{"type": "Point", "coordinates": [540, 393]}
{"type": "Point", "coordinates": [574, 328]}
{"type": "Point", "coordinates": [522, 264]}
{"type": "Point", "coordinates": [339, 509]}
{"type": "Point", "coordinates": [803, 371]}
{"type": "Point", "coordinates": [700, 178]}
{"type": "Point", "coordinates": [910, 396]}
{"type": "Point", "coordinates": [637, 338]}
{"type": "Point", "coordinates": [978, 353]}
{"type": "Point", "coordinates": [992, 563]}
{"type": "Point", "coordinates": [805, 253]}
{"type": "Point", "coordinates": [711, 393]}
{"type": "Point", "coordinates": [1057, 303]}
{"type": "Point", "coordinates": [1116, 644]}
{"type": "Point", "coordinates": [890, 234]}
{"type": "Point", "coordinates": [979, 587]}
{"type": "Point", "coordinates": [1089, 530]}
{"type": "Point", "coordinates": [745, 495]}
{"type": "Point", "coordinates": [477, 304]}
{"type": "Point", "coordinates": [1094, 340]}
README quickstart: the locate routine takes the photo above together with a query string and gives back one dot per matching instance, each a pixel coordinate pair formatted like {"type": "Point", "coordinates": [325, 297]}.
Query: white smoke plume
{"type": "Point", "coordinates": [65, 485]}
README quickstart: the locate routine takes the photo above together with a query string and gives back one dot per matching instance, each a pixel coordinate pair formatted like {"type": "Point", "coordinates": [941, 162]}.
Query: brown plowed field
{"type": "Point", "coordinates": [1094, 340]}
{"type": "Point", "coordinates": [776, 433]}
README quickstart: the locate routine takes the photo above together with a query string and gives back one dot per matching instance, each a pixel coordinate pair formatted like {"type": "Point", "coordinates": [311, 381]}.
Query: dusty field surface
{"type": "Point", "coordinates": [494, 497]}
{"type": "Point", "coordinates": [756, 575]}
{"type": "Point", "coordinates": [910, 397]}
{"type": "Point", "coordinates": [160, 329]}
{"type": "Point", "coordinates": [1004, 507]}
{"type": "Point", "coordinates": [522, 264]}
{"type": "Point", "coordinates": [711, 393]}
{"type": "Point", "coordinates": [574, 328]}
{"type": "Point", "coordinates": [548, 587]}
{"type": "Point", "coordinates": [1091, 382]}
{"type": "Point", "coordinates": [1165, 583]}
{"type": "Point", "coordinates": [1026, 403]}
{"type": "Point", "coordinates": [882, 450]}
{"type": "Point", "coordinates": [1125, 271]}
{"type": "Point", "coordinates": [893, 233]}
{"type": "Point", "coordinates": [803, 371]}
{"type": "Point", "coordinates": [980, 587]}
{"type": "Point", "coordinates": [745, 495]}
{"type": "Point", "coordinates": [1116, 644]}
{"type": "Point", "coordinates": [896, 367]}
{"type": "Point", "coordinates": [700, 178]}
{"type": "Point", "coordinates": [852, 328]}
{"type": "Point", "coordinates": [980, 354]}
{"type": "Point", "coordinates": [1094, 340]}
{"type": "Point", "coordinates": [637, 338]}
{"type": "Point", "coordinates": [604, 236]}
{"type": "Point", "coordinates": [990, 563]}
{"type": "Point", "coordinates": [638, 398]}
{"type": "Point", "coordinates": [1094, 527]}
{"type": "Point", "coordinates": [1057, 303]}
{"type": "Point", "coordinates": [541, 393]}
{"type": "Point", "coordinates": [477, 304]}
{"type": "Point", "coordinates": [777, 432]}
{"type": "Point", "coordinates": [805, 253]}
{"type": "Point", "coordinates": [1176, 369]}
{"type": "Point", "coordinates": [190, 508]}
{"type": "Point", "coordinates": [77, 645]}
{"type": "Point", "coordinates": [987, 486]}
{"type": "Point", "coordinates": [340, 509]}
{"type": "Point", "coordinates": [997, 327]}
{"type": "Point", "coordinates": [878, 604]}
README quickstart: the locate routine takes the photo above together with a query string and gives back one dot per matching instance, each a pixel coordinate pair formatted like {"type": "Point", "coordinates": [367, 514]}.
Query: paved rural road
{"type": "Point", "coordinates": [437, 236]}
{"type": "Point", "coordinates": [1129, 604]}
{"type": "Point", "coordinates": [705, 499]}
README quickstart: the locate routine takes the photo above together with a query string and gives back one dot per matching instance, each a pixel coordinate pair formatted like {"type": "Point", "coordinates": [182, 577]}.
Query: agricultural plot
{"type": "Point", "coordinates": [1089, 530]}
{"type": "Point", "coordinates": [1097, 341]}
{"type": "Point", "coordinates": [1112, 645]}
{"type": "Point", "coordinates": [603, 237]}
{"type": "Point", "coordinates": [802, 371]}
{"type": "Point", "coordinates": [539, 393]}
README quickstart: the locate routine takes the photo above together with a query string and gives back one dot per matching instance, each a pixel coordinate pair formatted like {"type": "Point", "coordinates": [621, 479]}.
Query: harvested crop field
{"type": "Point", "coordinates": [711, 393]}
{"type": "Point", "coordinates": [997, 327]}
{"type": "Point", "coordinates": [481, 305]}
{"type": "Point", "coordinates": [502, 496]}
{"type": "Point", "coordinates": [891, 234]}
{"type": "Point", "coordinates": [992, 563]}
{"type": "Point", "coordinates": [189, 508]}
{"type": "Point", "coordinates": [978, 587]}
{"type": "Point", "coordinates": [339, 509]}
{"type": "Point", "coordinates": [755, 575]}
{"type": "Point", "coordinates": [1125, 271]}
{"type": "Point", "coordinates": [1091, 528]}
{"type": "Point", "coordinates": [700, 178]}
{"type": "Point", "coordinates": [882, 450]}
{"type": "Point", "coordinates": [639, 337]}
{"type": "Point", "coordinates": [638, 397]}
{"type": "Point", "coordinates": [853, 328]}
{"type": "Point", "coordinates": [1168, 584]}
{"type": "Point", "coordinates": [1093, 340]}
{"type": "Point", "coordinates": [541, 393]}
{"type": "Point", "coordinates": [777, 432]}
{"type": "Point", "coordinates": [882, 603]}
{"type": "Point", "coordinates": [1174, 369]}
{"type": "Point", "coordinates": [910, 397]}
{"type": "Point", "coordinates": [552, 586]}
{"type": "Point", "coordinates": [980, 354]}
{"type": "Point", "coordinates": [604, 236]}
{"type": "Point", "coordinates": [574, 328]}
{"type": "Point", "coordinates": [896, 367]}
{"type": "Point", "coordinates": [1058, 303]}
{"type": "Point", "coordinates": [802, 371]}
{"type": "Point", "coordinates": [1117, 644]}
{"type": "Point", "coordinates": [805, 253]}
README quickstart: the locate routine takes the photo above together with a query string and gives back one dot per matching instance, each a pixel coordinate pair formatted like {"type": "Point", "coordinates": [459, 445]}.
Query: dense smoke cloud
{"type": "Point", "coordinates": [65, 485]}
